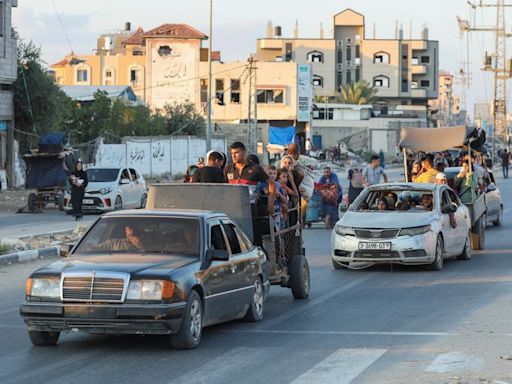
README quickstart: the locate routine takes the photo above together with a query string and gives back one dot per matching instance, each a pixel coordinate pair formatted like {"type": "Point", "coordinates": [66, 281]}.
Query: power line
{"type": "Point", "coordinates": [62, 26]}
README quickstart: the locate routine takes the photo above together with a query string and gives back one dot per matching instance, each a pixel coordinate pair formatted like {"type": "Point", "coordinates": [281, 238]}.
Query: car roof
{"type": "Point", "coordinates": [187, 213]}
{"type": "Point", "coordinates": [405, 186]}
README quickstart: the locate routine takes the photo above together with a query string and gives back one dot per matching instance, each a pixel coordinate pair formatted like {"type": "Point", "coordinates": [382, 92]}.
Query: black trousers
{"type": "Point", "coordinates": [77, 195]}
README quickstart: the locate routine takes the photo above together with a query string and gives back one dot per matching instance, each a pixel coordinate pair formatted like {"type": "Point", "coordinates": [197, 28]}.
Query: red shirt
{"type": "Point", "coordinates": [251, 174]}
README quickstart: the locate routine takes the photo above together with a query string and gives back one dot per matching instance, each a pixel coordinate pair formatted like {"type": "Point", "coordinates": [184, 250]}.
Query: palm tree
{"type": "Point", "coordinates": [358, 93]}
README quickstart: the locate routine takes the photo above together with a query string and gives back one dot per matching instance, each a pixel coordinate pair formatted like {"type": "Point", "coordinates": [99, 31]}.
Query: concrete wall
{"type": "Point", "coordinates": [158, 157]}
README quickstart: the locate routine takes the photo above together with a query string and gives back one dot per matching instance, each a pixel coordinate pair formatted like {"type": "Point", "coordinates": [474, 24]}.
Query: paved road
{"type": "Point", "coordinates": [381, 325]}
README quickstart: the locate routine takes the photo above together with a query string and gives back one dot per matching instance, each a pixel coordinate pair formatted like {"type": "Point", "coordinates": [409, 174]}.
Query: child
{"type": "Point", "coordinates": [282, 179]}
{"type": "Point", "coordinates": [279, 200]}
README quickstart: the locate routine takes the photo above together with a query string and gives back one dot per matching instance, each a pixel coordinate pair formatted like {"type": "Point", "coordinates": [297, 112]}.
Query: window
{"type": "Point", "coordinates": [339, 79]}
{"type": "Point", "coordinates": [164, 51]}
{"type": "Point", "coordinates": [339, 57]}
{"type": "Point", "coordinates": [358, 74]}
{"type": "Point", "coordinates": [245, 243]}
{"type": "Point", "coordinates": [137, 52]}
{"type": "Point", "coordinates": [349, 41]}
{"type": "Point", "coordinates": [425, 83]}
{"type": "Point", "coordinates": [415, 61]}
{"type": "Point", "coordinates": [318, 81]}
{"type": "Point", "coordinates": [381, 57]}
{"type": "Point", "coordinates": [349, 53]}
{"type": "Point", "coordinates": [133, 75]}
{"type": "Point", "coordinates": [235, 91]}
{"type": "Point", "coordinates": [289, 49]}
{"type": "Point", "coordinates": [270, 96]}
{"type": "Point", "coordinates": [358, 51]}
{"type": "Point", "coordinates": [381, 81]}
{"type": "Point", "coordinates": [2, 16]}
{"type": "Point", "coordinates": [217, 240]}
{"type": "Point", "coordinates": [425, 59]}
{"type": "Point", "coordinates": [414, 84]}
{"type": "Point", "coordinates": [315, 57]}
{"type": "Point", "coordinates": [108, 74]}
{"type": "Point", "coordinates": [204, 90]}
{"type": "Point", "coordinates": [219, 90]}
{"type": "Point", "coordinates": [349, 76]}
{"type": "Point", "coordinates": [81, 75]}
{"type": "Point", "coordinates": [232, 239]}
{"type": "Point", "coordinates": [405, 85]}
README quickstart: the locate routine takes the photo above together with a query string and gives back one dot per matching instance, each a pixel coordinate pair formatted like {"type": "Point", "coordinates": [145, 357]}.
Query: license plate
{"type": "Point", "coordinates": [377, 246]}
{"type": "Point", "coordinates": [88, 201]}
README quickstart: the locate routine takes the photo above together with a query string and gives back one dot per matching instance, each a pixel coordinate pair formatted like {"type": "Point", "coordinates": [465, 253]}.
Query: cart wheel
{"type": "Point", "coordinates": [60, 201]}
{"type": "Point", "coordinates": [32, 203]}
{"type": "Point", "coordinates": [299, 277]}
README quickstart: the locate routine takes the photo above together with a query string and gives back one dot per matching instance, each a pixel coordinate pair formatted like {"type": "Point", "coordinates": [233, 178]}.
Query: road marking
{"type": "Point", "coordinates": [341, 367]}
{"type": "Point", "coordinates": [316, 301]}
{"type": "Point", "coordinates": [342, 333]}
{"type": "Point", "coordinates": [453, 362]}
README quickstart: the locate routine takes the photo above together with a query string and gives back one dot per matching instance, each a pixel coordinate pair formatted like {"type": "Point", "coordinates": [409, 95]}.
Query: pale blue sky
{"type": "Point", "coordinates": [239, 22]}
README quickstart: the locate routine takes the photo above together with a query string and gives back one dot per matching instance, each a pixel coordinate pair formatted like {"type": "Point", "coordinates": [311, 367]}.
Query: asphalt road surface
{"type": "Point", "coordinates": [380, 325]}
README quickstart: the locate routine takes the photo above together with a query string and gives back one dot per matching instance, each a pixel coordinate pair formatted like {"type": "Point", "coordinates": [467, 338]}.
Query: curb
{"type": "Point", "coordinates": [22, 256]}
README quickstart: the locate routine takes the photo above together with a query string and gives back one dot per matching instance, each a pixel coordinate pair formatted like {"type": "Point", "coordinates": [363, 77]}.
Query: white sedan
{"type": "Point", "coordinates": [402, 223]}
{"type": "Point", "coordinates": [111, 189]}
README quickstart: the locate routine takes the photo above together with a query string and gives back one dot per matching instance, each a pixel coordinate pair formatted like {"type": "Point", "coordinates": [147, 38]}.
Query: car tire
{"type": "Point", "coordinates": [191, 328]}
{"type": "Point", "coordinates": [466, 252]}
{"type": "Point", "coordinates": [143, 200]}
{"type": "Point", "coordinates": [43, 338]}
{"type": "Point", "coordinates": [118, 203]}
{"type": "Point", "coordinates": [255, 311]}
{"type": "Point", "coordinates": [300, 282]}
{"type": "Point", "coordinates": [339, 265]}
{"type": "Point", "coordinates": [499, 219]}
{"type": "Point", "coordinates": [438, 262]}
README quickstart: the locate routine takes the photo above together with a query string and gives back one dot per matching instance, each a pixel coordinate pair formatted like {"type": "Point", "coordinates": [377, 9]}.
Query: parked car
{"type": "Point", "coordinates": [167, 272]}
{"type": "Point", "coordinates": [410, 231]}
{"type": "Point", "coordinates": [493, 202]}
{"type": "Point", "coordinates": [111, 189]}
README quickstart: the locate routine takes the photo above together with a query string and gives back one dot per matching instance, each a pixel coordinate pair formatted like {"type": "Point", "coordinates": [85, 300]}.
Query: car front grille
{"type": "Point", "coordinates": [376, 255]}
{"type": "Point", "coordinates": [95, 287]}
{"type": "Point", "coordinates": [376, 233]}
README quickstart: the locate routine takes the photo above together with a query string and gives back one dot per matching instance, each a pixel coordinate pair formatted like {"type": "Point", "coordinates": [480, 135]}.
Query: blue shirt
{"type": "Point", "coordinates": [279, 189]}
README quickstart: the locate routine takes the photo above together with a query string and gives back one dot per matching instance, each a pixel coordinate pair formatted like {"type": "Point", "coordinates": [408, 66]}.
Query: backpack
{"type": "Point", "coordinates": [357, 179]}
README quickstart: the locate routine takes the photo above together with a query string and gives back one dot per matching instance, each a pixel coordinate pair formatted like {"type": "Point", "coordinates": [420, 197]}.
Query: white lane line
{"type": "Point", "coordinates": [316, 301]}
{"type": "Point", "coordinates": [217, 370]}
{"type": "Point", "coordinates": [453, 362]}
{"type": "Point", "coordinates": [341, 367]}
{"type": "Point", "coordinates": [342, 333]}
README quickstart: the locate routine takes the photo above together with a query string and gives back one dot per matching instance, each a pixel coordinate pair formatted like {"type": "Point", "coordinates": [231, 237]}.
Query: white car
{"type": "Point", "coordinates": [416, 228]}
{"type": "Point", "coordinates": [111, 189]}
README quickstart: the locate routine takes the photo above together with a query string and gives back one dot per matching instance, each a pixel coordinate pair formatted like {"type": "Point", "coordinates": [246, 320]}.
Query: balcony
{"type": "Point", "coordinates": [418, 69]}
{"type": "Point", "coordinates": [419, 45]}
{"type": "Point", "coordinates": [419, 93]}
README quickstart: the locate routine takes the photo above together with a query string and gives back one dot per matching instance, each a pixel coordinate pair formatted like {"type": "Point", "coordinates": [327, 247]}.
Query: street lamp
{"type": "Point", "coordinates": [209, 105]}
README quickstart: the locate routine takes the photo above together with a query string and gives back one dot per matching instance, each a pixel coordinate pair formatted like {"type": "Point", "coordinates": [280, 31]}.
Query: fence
{"type": "Point", "coordinates": [155, 157]}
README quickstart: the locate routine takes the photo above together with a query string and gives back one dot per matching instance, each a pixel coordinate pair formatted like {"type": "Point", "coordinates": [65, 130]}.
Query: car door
{"type": "Point", "coordinates": [461, 218]}
{"type": "Point", "coordinates": [138, 187]}
{"type": "Point", "coordinates": [219, 280]}
{"type": "Point", "coordinates": [449, 233]}
{"type": "Point", "coordinates": [244, 266]}
{"type": "Point", "coordinates": [126, 190]}
{"type": "Point", "coordinates": [492, 197]}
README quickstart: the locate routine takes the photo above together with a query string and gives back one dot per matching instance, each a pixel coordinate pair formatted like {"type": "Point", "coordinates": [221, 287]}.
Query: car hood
{"type": "Point", "coordinates": [95, 186]}
{"type": "Point", "coordinates": [388, 220]}
{"type": "Point", "coordinates": [129, 263]}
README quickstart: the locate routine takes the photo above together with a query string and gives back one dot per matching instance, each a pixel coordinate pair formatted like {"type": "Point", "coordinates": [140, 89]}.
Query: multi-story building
{"type": "Point", "coordinates": [404, 70]}
{"type": "Point", "coordinates": [8, 72]}
{"type": "Point", "coordinates": [446, 107]}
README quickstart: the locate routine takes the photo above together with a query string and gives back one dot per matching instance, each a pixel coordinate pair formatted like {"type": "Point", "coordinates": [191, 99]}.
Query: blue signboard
{"type": "Point", "coordinates": [3, 126]}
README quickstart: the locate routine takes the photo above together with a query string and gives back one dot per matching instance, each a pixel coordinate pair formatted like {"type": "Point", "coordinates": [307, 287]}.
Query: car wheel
{"type": "Point", "coordinates": [43, 338]}
{"type": "Point", "coordinates": [191, 328]}
{"type": "Point", "coordinates": [118, 204]}
{"type": "Point", "coordinates": [255, 311]}
{"type": "Point", "coordinates": [499, 219]}
{"type": "Point", "coordinates": [437, 265]}
{"type": "Point", "coordinates": [143, 200]}
{"type": "Point", "coordinates": [339, 264]}
{"type": "Point", "coordinates": [466, 252]}
{"type": "Point", "coordinates": [299, 277]}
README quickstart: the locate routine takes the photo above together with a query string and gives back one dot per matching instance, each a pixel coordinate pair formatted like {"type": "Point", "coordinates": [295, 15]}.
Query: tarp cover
{"type": "Point", "coordinates": [281, 136]}
{"type": "Point", "coordinates": [46, 172]}
{"type": "Point", "coordinates": [432, 139]}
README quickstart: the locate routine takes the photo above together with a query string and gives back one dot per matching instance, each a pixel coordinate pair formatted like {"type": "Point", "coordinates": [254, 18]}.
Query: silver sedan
{"type": "Point", "coordinates": [402, 223]}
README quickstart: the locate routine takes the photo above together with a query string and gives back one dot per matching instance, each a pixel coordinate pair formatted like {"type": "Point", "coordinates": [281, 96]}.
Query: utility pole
{"type": "Point", "coordinates": [252, 107]}
{"type": "Point", "coordinates": [209, 105]}
{"type": "Point", "coordinates": [500, 70]}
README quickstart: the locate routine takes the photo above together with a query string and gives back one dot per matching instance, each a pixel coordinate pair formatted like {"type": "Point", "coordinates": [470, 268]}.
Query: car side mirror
{"type": "Point", "coordinates": [65, 249]}
{"type": "Point", "coordinates": [217, 254]}
{"type": "Point", "coordinates": [124, 181]}
{"type": "Point", "coordinates": [491, 188]}
{"type": "Point", "coordinates": [449, 208]}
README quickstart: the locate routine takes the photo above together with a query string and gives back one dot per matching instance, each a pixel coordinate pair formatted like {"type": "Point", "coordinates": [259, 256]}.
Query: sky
{"type": "Point", "coordinates": [238, 23]}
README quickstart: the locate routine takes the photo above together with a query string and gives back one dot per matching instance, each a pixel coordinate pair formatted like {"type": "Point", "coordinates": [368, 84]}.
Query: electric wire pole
{"type": "Point", "coordinates": [209, 105]}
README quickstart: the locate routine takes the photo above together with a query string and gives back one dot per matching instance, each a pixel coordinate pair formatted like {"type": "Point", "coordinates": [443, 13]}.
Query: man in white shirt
{"type": "Point", "coordinates": [373, 172]}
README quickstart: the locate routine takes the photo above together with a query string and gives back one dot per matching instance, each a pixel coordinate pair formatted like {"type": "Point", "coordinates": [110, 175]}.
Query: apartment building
{"type": "Point", "coordinates": [8, 72]}
{"type": "Point", "coordinates": [446, 107]}
{"type": "Point", "coordinates": [404, 70]}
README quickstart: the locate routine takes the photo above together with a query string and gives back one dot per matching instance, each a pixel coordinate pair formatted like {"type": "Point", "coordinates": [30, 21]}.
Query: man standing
{"type": "Point", "coordinates": [308, 146]}
{"type": "Point", "coordinates": [427, 173]}
{"type": "Point", "coordinates": [242, 171]}
{"type": "Point", "coordinates": [373, 172]}
{"type": "Point", "coordinates": [505, 158]}
{"type": "Point", "coordinates": [212, 172]}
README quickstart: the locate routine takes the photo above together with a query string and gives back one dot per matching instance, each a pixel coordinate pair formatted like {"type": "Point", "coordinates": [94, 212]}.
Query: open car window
{"type": "Point", "coordinates": [217, 240]}
{"type": "Point", "coordinates": [234, 243]}
{"type": "Point", "coordinates": [395, 200]}
{"type": "Point", "coordinates": [143, 235]}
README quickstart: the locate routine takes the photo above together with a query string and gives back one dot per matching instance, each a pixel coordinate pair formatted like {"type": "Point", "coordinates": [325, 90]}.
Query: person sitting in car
{"type": "Point", "coordinates": [131, 242]}
{"type": "Point", "coordinates": [382, 204]}
{"type": "Point", "coordinates": [428, 202]}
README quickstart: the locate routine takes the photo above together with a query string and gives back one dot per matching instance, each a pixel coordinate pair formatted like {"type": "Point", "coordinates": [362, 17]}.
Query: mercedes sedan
{"type": "Point", "coordinates": [402, 223]}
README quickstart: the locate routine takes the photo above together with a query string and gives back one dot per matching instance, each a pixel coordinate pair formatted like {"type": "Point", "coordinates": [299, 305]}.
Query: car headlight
{"type": "Point", "coordinates": [414, 231]}
{"type": "Point", "coordinates": [344, 231]}
{"type": "Point", "coordinates": [106, 190]}
{"type": "Point", "coordinates": [48, 287]}
{"type": "Point", "coordinates": [150, 290]}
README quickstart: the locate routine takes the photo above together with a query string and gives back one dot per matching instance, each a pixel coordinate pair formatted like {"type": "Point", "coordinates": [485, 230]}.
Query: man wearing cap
{"type": "Point", "coordinates": [441, 178]}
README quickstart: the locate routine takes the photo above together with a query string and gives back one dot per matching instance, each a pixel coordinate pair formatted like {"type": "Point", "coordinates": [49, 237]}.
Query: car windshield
{"type": "Point", "coordinates": [141, 235]}
{"type": "Point", "coordinates": [102, 175]}
{"type": "Point", "coordinates": [394, 200]}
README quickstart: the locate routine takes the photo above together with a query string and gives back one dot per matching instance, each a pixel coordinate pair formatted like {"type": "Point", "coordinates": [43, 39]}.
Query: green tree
{"type": "Point", "coordinates": [40, 105]}
{"type": "Point", "coordinates": [358, 93]}
{"type": "Point", "coordinates": [183, 119]}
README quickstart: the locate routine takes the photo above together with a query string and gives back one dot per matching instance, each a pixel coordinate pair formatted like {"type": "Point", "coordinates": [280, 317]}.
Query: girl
{"type": "Point", "coordinates": [282, 178]}
{"type": "Point", "coordinates": [288, 165]}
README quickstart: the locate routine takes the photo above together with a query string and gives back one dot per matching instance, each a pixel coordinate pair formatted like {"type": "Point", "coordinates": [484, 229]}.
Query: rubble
{"type": "Point", "coordinates": [12, 200]}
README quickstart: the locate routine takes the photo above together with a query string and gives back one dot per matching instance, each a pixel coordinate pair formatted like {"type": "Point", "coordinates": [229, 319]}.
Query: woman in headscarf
{"type": "Point", "coordinates": [288, 164]}
{"type": "Point", "coordinates": [79, 182]}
